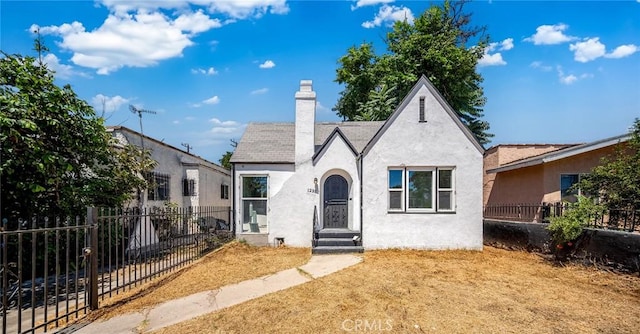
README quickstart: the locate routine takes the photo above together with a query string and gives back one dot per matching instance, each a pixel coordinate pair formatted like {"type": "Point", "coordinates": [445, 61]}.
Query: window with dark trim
{"type": "Point", "coordinates": [188, 187]}
{"type": "Point", "coordinates": [422, 99]}
{"type": "Point", "coordinates": [568, 190]}
{"type": "Point", "coordinates": [421, 189]}
{"type": "Point", "coordinates": [224, 191]}
{"type": "Point", "coordinates": [158, 186]}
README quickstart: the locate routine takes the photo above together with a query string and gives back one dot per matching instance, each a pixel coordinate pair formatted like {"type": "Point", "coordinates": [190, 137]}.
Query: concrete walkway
{"type": "Point", "coordinates": [182, 309]}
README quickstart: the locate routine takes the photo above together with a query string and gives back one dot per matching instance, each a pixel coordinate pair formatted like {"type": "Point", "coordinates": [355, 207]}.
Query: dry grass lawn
{"type": "Point", "coordinates": [494, 291]}
{"type": "Point", "coordinates": [233, 263]}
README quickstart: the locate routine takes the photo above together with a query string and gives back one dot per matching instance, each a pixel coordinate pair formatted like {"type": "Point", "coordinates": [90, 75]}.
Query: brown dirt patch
{"type": "Point", "coordinates": [403, 291]}
{"type": "Point", "coordinates": [233, 263]}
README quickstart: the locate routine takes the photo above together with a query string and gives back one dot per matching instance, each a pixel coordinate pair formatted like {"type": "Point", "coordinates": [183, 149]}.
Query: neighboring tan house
{"type": "Point", "coordinates": [535, 174]}
{"type": "Point", "coordinates": [413, 181]}
{"type": "Point", "coordinates": [179, 177]}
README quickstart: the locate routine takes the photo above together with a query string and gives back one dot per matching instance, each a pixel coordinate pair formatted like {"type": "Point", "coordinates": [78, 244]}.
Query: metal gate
{"type": "Point", "coordinates": [336, 196]}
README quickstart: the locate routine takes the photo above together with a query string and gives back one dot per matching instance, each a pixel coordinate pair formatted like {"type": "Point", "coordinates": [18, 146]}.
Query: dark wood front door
{"type": "Point", "coordinates": [335, 196]}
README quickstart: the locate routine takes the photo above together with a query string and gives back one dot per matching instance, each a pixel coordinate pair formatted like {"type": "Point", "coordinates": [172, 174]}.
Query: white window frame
{"type": "Point", "coordinates": [390, 190]}
{"type": "Point", "coordinates": [242, 199]}
{"type": "Point", "coordinates": [436, 189]}
{"type": "Point", "coordinates": [441, 189]}
{"type": "Point", "coordinates": [433, 186]}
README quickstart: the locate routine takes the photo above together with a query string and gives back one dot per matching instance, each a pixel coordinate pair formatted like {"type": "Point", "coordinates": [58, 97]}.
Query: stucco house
{"type": "Point", "coordinates": [179, 177]}
{"type": "Point", "coordinates": [413, 181]}
{"type": "Point", "coordinates": [541, 173]}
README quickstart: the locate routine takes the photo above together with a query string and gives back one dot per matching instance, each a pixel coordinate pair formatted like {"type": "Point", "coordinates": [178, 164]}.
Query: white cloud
{"type": "Point", "coordinates": [507, 44]}
{"type": "Point", "coordinates": [241, 9]}
{"type": "Point", "coordinates": [364, 3]}
{"type": "Point", "coordinates": [623, 50]}
{"type": "Point", "coordinates": [495, 59]}
{"type": "Point", "coordinates": [571, 78]}
{"type": "Point", "coordinates": [209, 71]}
{"type": "Point", "coordinates": [550, 34]}
{"type": "Point", "coordinates": [539, 65]}
{"type": "Point", "coordinates": [220, 132]}
{"type": "Point", "coordinates": [212, 100]}
{"type": "Point", "coordinates": [217, 121]}
{"type": "Point", "coordinates": [491, 60]}
{"type": "Point", "coordinates": [61, 70]}
{"type": "Point", "coordinates": [138, 40]}
{"type": "Point", "coordinates": [321, 108]}
{"type": "Point", "coordinates": [387, 15]}
{"type": "Point", "coordinates": [237, 9]}
{"type": "Point", "coordinates": [108, 103]}
{"type": "Point", "coordinates": [195, 105]}
{"type": "Point", "coordinates": [268, 64]}
{"type": "Point", "coordinates": [260, 91]}
{"type": "Point", "coordinates": [196, 22]}
{"type": "Point", "coordinates": [588, 50]}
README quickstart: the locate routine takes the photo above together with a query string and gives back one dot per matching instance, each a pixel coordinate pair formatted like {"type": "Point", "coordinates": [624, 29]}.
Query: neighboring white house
{"type": "Point", "coordinates": [179, 177]}
{"type": "Point", "coordinates": [413, 181]}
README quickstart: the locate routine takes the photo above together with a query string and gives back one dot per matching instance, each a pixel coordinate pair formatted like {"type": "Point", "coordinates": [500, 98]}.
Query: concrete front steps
{"type": "Point", "coordinates": [337, 241]}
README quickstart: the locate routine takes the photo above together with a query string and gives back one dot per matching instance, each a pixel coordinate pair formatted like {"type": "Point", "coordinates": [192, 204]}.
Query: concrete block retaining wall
{"type": "Point", "coordinates": [622, 248]}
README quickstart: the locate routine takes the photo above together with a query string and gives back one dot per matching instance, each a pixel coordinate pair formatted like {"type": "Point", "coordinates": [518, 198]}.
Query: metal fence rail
{"type": "Point", "coordinates": [56, 269]}
{"type": "Point", "coordinates": [620, 220]}
{"type": "Point", "coordinates": [524, 212]}
{"type": "Point", "coordinates": [136, 246]}
{"type": "Point", "coordinates": [43, 272]}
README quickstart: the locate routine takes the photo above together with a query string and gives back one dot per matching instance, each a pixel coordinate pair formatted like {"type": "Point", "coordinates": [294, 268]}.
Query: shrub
{"type": "Point", "coordinates": [568, 227]}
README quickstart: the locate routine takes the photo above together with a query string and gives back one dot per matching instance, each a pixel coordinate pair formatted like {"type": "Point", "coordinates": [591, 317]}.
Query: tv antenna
{"type": "Point", "coordinates": [187, 146]}
{"type": "Point", "coordinates": [140, 112]}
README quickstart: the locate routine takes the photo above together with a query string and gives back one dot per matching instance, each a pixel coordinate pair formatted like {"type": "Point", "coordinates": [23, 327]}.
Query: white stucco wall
{"type": "Point", "coordinates": [339, 159]}
{"type": "Point", "coordinates": [207, 176]}
{"type": "Point", "coordinates": [438, 142]}
{"type": "Point", "coordinates": [292, 193]}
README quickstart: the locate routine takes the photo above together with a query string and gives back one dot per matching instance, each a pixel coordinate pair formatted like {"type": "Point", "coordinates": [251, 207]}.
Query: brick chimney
{"type": "Point", "coordinates": [305, 122]}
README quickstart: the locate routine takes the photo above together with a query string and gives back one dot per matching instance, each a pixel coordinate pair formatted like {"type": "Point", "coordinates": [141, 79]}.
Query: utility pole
{"type": "Point", "coordinates": [187, 146]}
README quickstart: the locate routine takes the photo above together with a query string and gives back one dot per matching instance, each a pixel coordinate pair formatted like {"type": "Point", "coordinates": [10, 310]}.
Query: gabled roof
{"type": "Point", "coordinates": [186, 158]}
{"type": "Point", "coordinates": [275, 142]}
{"type": "Point", "coordinates": [562, 153]}
{"type": "Point", "coordinates": [335, 133]}
{"type": "Point", "coordinates": [445, 105]}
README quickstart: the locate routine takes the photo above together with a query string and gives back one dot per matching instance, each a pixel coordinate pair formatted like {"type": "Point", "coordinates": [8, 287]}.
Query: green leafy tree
{"type": "Point", "coordinates": [617, 180]}
{"type": "Point", "coordinates": [225, 161]}
{"type": "Point", "coordinates": [56, 155]}
{"type": "Point", "coordinates": [379, 106]}
{"type": "Point", "coordinates": [436, 45]}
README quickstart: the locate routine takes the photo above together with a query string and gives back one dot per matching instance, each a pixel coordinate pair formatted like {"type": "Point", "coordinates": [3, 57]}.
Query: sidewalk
{"type": "Point", "coordinates": [182, 309]}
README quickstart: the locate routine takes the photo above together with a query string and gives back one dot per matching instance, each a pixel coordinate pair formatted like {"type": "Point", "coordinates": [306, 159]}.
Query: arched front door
{"type": "Point", "coordinates": [335, 196]}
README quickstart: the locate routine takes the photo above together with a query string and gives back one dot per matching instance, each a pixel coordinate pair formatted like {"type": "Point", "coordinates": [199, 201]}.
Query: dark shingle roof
{"type": "Point", "coordinates": [274, 142]}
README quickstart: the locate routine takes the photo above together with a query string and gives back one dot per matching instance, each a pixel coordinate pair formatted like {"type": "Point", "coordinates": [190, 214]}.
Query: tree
{"type": "Point", "coordinates": [617, 180]}
{"type": "Point", "coordinates": [56, 155]}
{"type": "Point", "coordinates": [225, 161]}
{"type": "Point", "coordinates": [435, 45]}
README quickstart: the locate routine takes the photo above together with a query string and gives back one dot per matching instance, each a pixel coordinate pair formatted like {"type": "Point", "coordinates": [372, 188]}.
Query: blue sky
{"type": "Point", "coordinates": [559, 72]}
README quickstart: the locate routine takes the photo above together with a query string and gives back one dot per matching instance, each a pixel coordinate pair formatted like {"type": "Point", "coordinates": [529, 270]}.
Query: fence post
{"type": "Point", "coordinates": [91, 252]}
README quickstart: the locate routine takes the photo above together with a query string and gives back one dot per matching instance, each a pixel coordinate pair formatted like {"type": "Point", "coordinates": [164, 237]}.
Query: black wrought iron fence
{"type": "Point", "coordinates": [620, 220]}
{"type": "Point", "coordinates": [136, 246]}
{"type": "Point", "coordinates": [524, 212]}
{"type": "Point", "coordinates": [44, 271]}
{"type": "Point", "coordinates": [56, 269]}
